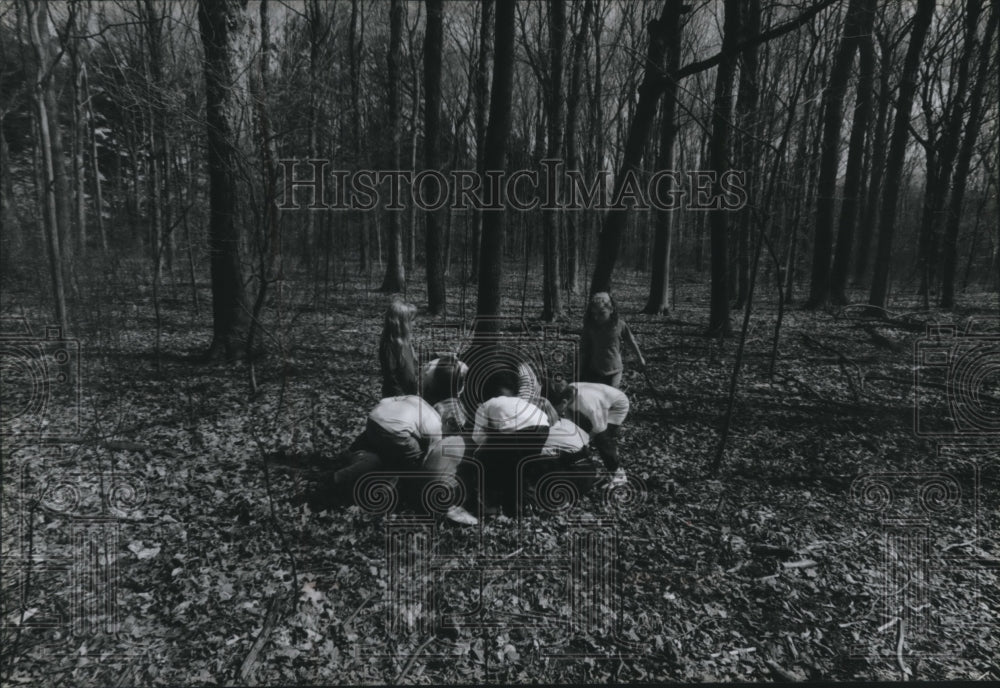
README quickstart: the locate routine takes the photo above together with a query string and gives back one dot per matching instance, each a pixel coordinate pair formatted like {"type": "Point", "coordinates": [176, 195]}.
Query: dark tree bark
{"type": "Point", "coordinates": [355, 48]}
{"type": "Point", "coordinates": [609, 242]}
{"type": "Point", "coordinates": [747, 95]}
{"type": "Point", "coordinates": [494, 158]}
{"type": "Point", "coordinates": [855, 155]}
{"type": "Point", "coordinates": [941, 154]}
{"type": "Point", "coordinates": [949, 254]}
{"type": "Point", "coordinates": [897, 152]}
{"type": "Point", "coordinates": [551, 295]}
{"type": "Point", "coordinates": [482, 98]}
{"type": "Point", "coordinates": [433, 45]}
{"type": "Point", "coordinates": [50, 153]}
{"type": "Point", "coordinates": [826, 191]}
{"type": "Point", "coordinates": [722, 108]}
{"type": "Point", "coordinates": [572, 157]}
{"type": "Point", "coordinates": [659, 284]}
{"type": "Point", "coordinates": [880, 137]}
{"type": "Point", "coordinates": [228, 35]}
{"type": "Point", "coordinates": [395, 275]}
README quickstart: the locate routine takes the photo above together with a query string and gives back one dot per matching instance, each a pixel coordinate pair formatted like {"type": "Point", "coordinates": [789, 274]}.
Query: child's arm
{"type": "Point", "coordinates": [630, 338]}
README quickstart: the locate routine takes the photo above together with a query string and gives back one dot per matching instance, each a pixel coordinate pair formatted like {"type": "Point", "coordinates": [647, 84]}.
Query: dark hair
{"type": "Point", "coordinates": [501, 379]}
{"type": "Point", "coordinates": [550, 393]}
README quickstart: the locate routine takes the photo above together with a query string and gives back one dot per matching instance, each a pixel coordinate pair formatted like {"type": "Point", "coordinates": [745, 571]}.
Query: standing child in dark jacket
{"type": "Point", "coordinates": [601, 345]}
{"type": "Point", "coordinates": [395, 352]}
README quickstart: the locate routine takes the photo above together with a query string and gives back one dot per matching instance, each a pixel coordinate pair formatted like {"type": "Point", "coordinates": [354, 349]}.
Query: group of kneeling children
{"type": "Point", "coordinates": [423, 423]}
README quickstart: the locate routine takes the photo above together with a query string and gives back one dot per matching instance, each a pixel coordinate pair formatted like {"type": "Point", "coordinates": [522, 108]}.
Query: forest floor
{"type": "Point", "coordinates": [835, 542]}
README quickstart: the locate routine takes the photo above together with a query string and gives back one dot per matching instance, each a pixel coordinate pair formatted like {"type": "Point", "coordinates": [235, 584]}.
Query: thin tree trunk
{"type": "Point", "coordinates": [551, 294]}
{"type": "Point", "coordinates": [494, 158]}
{"type": "Point", "coordinates": [963, 164]}
{"type": "Point", "coordinates": [718, 322]}
{"type": "Point", "coordinates": [79, 145]}
{"type": "Point", "coordinates": [572, 158]}
{"type": "Point", "coordinates": [855, 155]}
{"type": "Point", "coordinates": [481, 105]}
{"type": "Point", "coordinates": [395, 276]}
{"type": "Point", "coordinates": [935, 207]}
{"type": "Point", "coordinates": [433, 46]}
{"type": "Point", "coordinates": [95, 163]}
{"type": "Point", "coordinates": [659, 284]}
{"type": "Point", "coordinates": [355, 48]}
{"type": "Point", "coordinates": [897, 152]}
{"type": "Point", "coordinates": [826, 191]}
{"type": "Point", "coordinates": [615, 220]}
{"type": "Point", "coordinates": [869, 214]}
{"type": "Point", "coordinates": [747, 97]}
{"type": "Point", "coordinates": [37, 19]}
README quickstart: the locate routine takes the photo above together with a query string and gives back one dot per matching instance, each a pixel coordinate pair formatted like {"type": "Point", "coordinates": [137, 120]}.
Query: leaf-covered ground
{"type": "Point", "coordinates": [179, 560]}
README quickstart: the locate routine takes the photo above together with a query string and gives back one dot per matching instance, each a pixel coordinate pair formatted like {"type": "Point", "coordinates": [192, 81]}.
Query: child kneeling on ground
{"type": "Point", "coordinates": [600, 410]}
{"type": "Point", "coordinates": [507, 429]}
{"type": "Point", "coordinates": [405, 433]}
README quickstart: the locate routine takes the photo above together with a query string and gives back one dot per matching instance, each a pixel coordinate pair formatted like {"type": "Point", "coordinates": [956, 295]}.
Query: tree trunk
{"type": "Point", "coordinates": [355, 48]}
{"type": "Point", "coordinates": [395, 276]}
{"type": "Point", "coordinates": [551, 294]}
{"type": "Point", "coordinates": [94, 163]}
{"type": "Point", "coordinates": [936, 198]}
{"type": "Point", "coordinates": [897, 152]}
{"type": "Point", "coordinates": [491, 250]}
{"type": "Point", "coordinates": [826, 191]}
{"type": "Point", "coordinates": [869, 214]}
{"type": "Point", "coordinates": [659, 283]}
{"type": "Point", "coordinates": [79, 145]}
{"type": "Point", "coordinates": [433, 45]}
{"type": "Point", "coordinates": [38, 32]}
{"type": "Point", "coordinates": [747, 96]}
{"type": "Point", "coordinates": [718, 321]}
{"type": "Point", "coordinates": [855, 155]}
{"type": "Point", "coordinates": [481, 104]}
{"type": "Point", "coordinates": [949, 254]}
{"type": "Point", "coordinates": [228, 33]}
{"type": "Point", "coordinates": [572, 158]}
{"type": "Point", "coordinates": [609, 241]}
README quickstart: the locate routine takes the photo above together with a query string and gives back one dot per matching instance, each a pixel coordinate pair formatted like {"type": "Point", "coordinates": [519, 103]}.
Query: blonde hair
{"type": "Point", "coordinates": [398, 317]}
{"type": "Point", "coordinates": [601, 298]}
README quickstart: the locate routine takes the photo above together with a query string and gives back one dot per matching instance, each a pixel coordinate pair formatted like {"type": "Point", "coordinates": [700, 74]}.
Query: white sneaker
{"type": "Point", "coordinates": [461, 516]}
{"type": "Point", "coordinates": [618, 478]}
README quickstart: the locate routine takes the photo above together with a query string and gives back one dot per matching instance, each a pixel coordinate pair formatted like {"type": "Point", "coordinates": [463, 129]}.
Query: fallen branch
{"type": "Point", "coordinates": [883, 341]}
{"type": "Point", "coordinates": [899, 650]}
{"type": "Point", "coordinates": [782, 672]}
{"type": "Point", "coordinates": [347, 622]}
{"type": "Point", "coordinates": [413, 658]}
{"type": "Point", "coordinates": [252, 658]}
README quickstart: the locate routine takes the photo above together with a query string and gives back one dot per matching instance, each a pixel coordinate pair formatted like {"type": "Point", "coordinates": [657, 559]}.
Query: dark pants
{"type": "Point", "coordinates": [606, 444]}
{"type": "Point", "coordinates": [501, 457]}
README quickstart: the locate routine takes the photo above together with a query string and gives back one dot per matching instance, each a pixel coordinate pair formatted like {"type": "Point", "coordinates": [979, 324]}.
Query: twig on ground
{"type": "Point", "coordinates": [899, 650]}
{"type": "Point", "coordinates": [413, 658]}
{"type": "Point", "coordinates": [780, 671]}
{"type": "Point", "coordinates": [883, 341]}
{"type": "Point", "coordinates": [347, 622]}
{"type": "Point", "coordinates": [252, 659]}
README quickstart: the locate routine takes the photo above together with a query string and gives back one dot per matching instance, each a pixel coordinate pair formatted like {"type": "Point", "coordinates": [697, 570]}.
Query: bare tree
{"type": "Point", "coordinates": [395, 275]}
{"type": "Point", "coordinates": [897, 151]}
{"type": "Point", "coordinates": [228, 33]}
{"type": "Point", "coordinates": [551, 296]}
{"type": "Point", "coordinates": [491, 248]}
